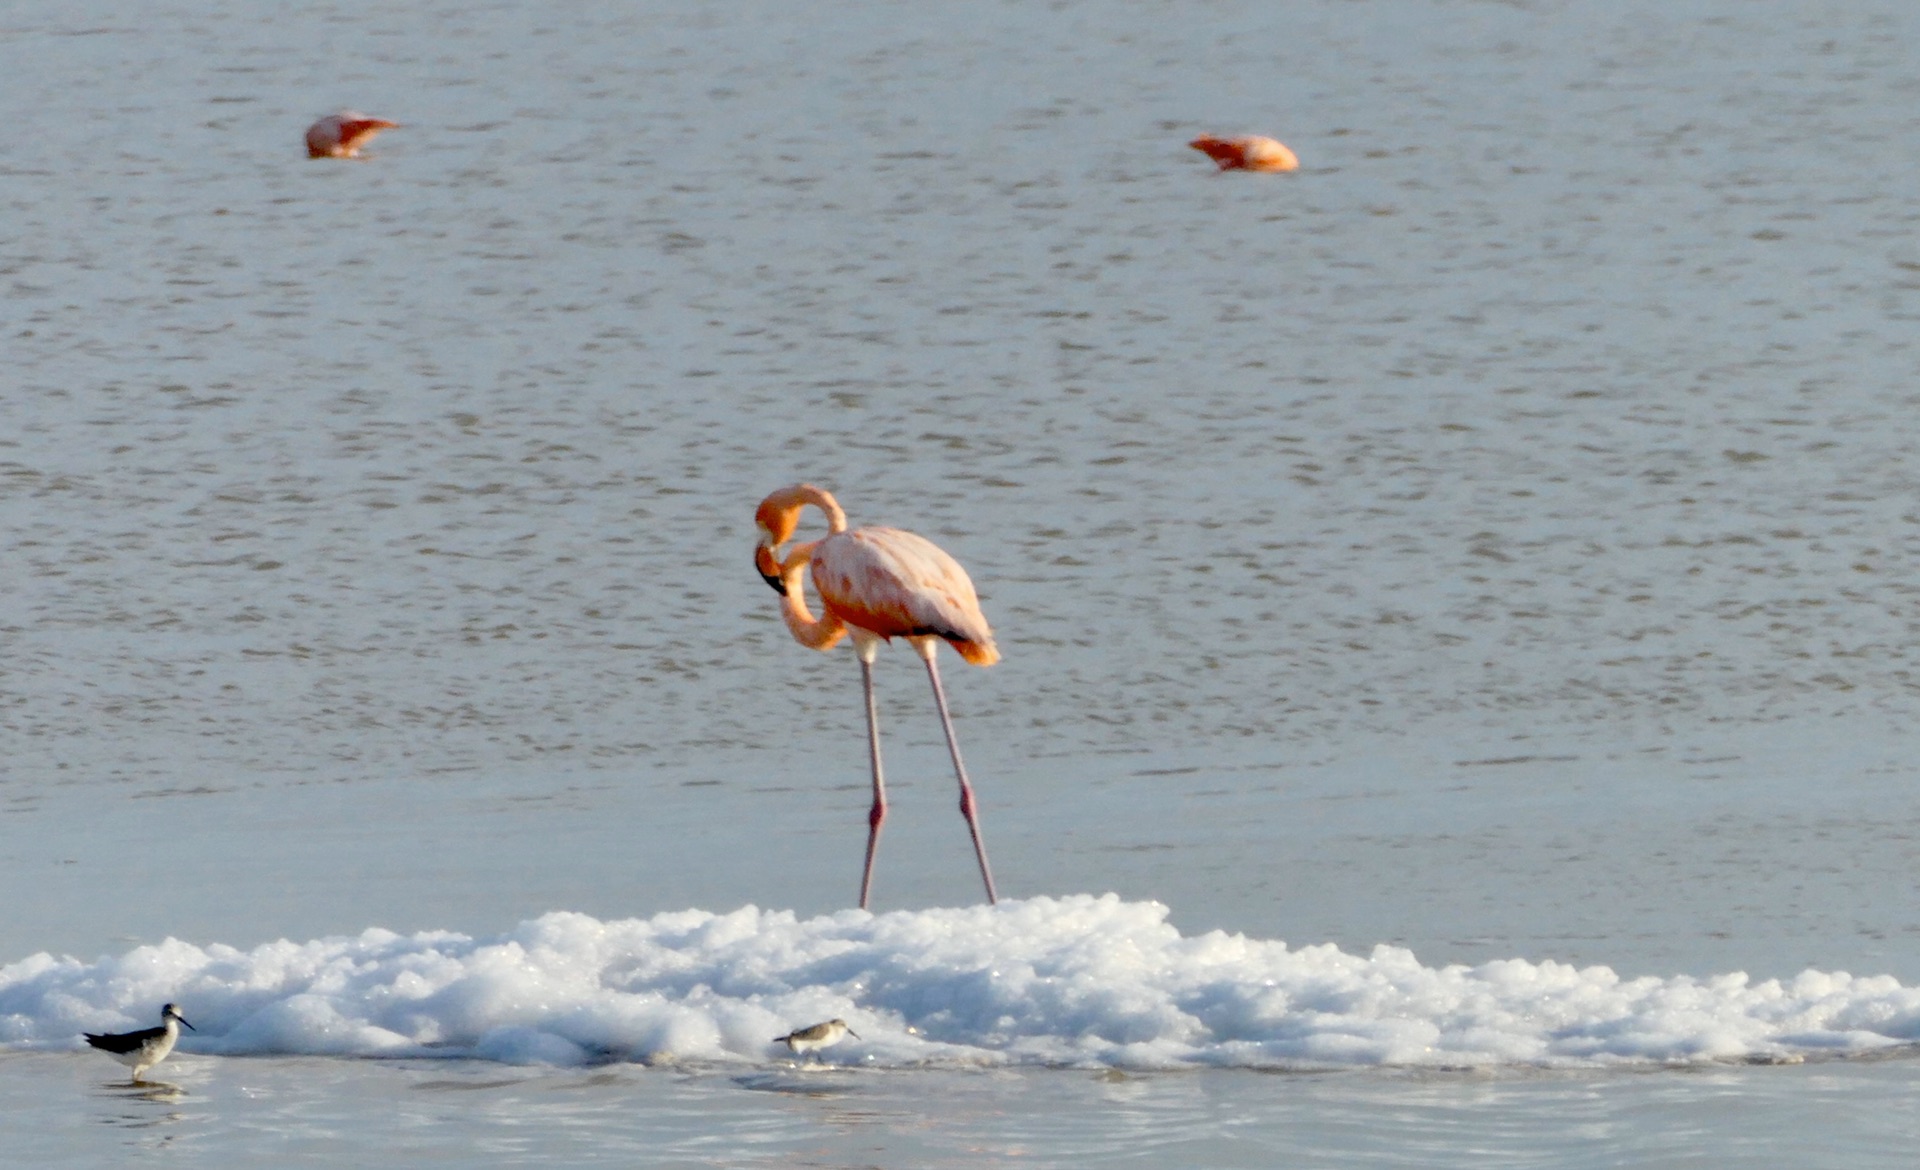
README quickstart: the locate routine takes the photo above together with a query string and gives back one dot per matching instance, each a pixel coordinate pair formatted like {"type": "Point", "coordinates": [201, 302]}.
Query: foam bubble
{"type": "Point", "coordinates": [1076, 980]}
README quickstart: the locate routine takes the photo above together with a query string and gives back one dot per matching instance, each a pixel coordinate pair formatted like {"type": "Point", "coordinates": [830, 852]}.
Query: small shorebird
{"type": "Point", "coordinates": [1252, 153]}
{"type": "Point", "coordinates": [878, 584]}
{"type": "Point", "coordinates": [342, 135]}
{"type": "Point", "coordinates": [805, 1040]}
{"type": "Point", "coordinates": [142, 1050]}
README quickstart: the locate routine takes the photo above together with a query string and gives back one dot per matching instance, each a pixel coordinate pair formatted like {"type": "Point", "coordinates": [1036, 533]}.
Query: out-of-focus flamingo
{"type": "Point", "coordinates": [1252, 153]}
{"type": "Point", "coordinates": [342, 135]}
{"type": "Point", "coordinates": [877, 584]}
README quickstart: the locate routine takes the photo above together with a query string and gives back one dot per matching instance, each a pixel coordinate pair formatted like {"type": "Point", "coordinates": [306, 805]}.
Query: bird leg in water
{"type": "Point", "coordinates": [878, 814]}
{"type": "Point", "coordinates": [927, 649]}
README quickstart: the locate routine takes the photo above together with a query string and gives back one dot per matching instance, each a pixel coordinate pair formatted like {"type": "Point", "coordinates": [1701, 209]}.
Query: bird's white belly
{"type": "Point", "coordinates": [147, 1055]}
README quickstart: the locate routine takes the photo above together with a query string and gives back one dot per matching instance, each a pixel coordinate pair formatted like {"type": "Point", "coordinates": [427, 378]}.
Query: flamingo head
{"type": "Point", "coordinates": [768, 566]}
{"type": "Point", "coordinates": [777, 517]}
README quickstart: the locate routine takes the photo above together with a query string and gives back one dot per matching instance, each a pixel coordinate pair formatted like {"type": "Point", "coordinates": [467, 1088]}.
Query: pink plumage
{"type": "Point", "coordinates": [1253, 152]}
{"type": "Point", "coordinates": [898, 584]}
{"type": "Point", "coordinates": [877, 584]}
{"type": "Point", "coordinates": [342, 135]}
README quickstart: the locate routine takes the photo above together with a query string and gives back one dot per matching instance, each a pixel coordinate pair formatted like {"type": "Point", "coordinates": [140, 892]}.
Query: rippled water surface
{"type": "Point", "coordinates": [312, 1112]}
{"type": "Point", "coordinates": [1494, 539]}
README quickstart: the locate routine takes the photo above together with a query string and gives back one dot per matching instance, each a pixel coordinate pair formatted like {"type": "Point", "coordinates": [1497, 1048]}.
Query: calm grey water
{"type": "Point", "coordinates": [328, 1113]}
{"type": "Point", "coordinates": [1494, 538]}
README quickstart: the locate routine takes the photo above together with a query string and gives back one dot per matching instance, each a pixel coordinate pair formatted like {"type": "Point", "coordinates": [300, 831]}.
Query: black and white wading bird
{"type": "Point", "coordinates": [142, 1050]}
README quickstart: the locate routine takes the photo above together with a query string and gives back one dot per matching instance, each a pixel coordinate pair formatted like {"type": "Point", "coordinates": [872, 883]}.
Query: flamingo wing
{"type": "Point", "coordinates": [1227, 154]}
{"type": "Point", "coordinates": [898, 584]}
{"type": "Point", "coordinates": [355, 132]}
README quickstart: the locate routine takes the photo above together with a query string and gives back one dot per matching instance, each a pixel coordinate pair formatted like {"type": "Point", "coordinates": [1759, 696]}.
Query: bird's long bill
{"type": "Point", "coordinates": [183, 1020]}
{"type": "Point", "coordinates": [769, 569]}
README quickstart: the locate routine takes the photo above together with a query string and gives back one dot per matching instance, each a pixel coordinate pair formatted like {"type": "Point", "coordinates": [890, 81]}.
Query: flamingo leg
{"type": "Point", "coordinates": [960, 770]}
{"type": "Point", "coordinates": [877, 815]}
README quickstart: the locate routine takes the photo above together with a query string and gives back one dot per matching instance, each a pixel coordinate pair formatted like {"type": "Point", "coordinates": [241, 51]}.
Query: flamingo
{"type": "Point", "coordinates": [1252, 153]}
{"type": "Point", "coordinates": [877, 584]}
{"type": "Point", "coordinates": [342, 135]}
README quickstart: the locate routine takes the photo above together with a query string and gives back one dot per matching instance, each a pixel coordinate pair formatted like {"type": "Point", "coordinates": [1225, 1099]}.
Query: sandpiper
{"type": "Point", "coordinates": [142, 1050]}
{"type": "Point", "coordinates": [804, 1040]}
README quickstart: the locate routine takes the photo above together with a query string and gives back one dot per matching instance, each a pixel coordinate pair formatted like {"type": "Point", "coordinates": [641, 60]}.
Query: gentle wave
{"type": "Point", "coordinates": [1082, 980]}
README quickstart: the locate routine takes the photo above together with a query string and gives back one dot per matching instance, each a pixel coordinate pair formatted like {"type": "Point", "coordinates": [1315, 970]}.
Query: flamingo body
{"type": "Point", "coordinates": [877, 584]}
{"type": "Point", "coordinates": [1251, 153]}
{"type": "Point", "coordinates": [342, 135]}
{"type": "Point", "coordinates": [898, 584]}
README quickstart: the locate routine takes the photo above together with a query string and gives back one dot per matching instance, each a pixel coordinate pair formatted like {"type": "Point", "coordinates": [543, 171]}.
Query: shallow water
{"type": "Point", "coordinates": [1490, 540]}
{"type": "Point", "coordinates": [317, 1112]}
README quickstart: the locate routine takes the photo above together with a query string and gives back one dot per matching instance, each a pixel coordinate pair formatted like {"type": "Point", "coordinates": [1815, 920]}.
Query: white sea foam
{"type": "Point", "coordinates": [1077, 980]}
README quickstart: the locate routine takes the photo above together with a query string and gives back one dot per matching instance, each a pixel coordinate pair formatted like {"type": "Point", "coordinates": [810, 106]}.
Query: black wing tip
{"type": "Point", "coordinates": [111, 1043]}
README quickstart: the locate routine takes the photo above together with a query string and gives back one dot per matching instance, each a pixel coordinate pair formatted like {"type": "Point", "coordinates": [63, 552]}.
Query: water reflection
{"type": "Point", "coordinates": [143, 1106]}
{"type": "Point", "coordinates": [800, 1081]}
{"type": "Point", "coordinates": [144, 1090]}
{"type": "Point", "coordinates": [457, 1086]}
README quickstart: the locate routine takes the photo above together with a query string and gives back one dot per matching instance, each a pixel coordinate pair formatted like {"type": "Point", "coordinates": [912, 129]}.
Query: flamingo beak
{"type": "Point", "coordinates": [769, 569]}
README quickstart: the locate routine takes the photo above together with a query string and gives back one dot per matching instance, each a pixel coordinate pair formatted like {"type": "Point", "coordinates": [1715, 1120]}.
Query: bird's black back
{"type": "Point", "coordinates": [124, 1041]}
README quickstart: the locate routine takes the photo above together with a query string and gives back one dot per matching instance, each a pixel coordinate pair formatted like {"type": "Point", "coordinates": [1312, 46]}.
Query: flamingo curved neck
{"type": "Point", "coordinates": [822, 499]}
{"type": "Point", "coordinates": [821, 633]}
{"type": "Point", "coordinates": [779, 513]}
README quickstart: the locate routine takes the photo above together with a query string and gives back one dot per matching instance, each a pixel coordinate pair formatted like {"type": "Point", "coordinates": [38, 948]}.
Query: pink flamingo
{"type": "Point", "coordinates": [877, 584]}
{"type": "Point", "coordinates": [342, 135]}
{"type": "Point", "coordinates": [1252, 153]}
